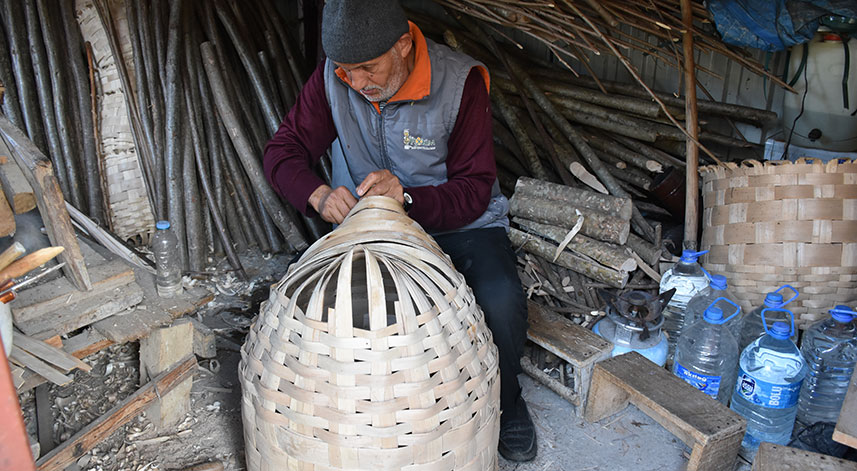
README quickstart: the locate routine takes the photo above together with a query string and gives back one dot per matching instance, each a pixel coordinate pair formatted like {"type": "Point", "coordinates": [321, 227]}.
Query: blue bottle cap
{"type": "Point", "coordinates": [718, 282]}
{"type": "Point", "coordinates": [162, 225]}
{"type": "Point", "coordinates": [689, 256]}
{"type": "Point", "coordinates": [842, 313]}
{"type": "Point", "coordinates": [774, 300]}
{"type": "Point", "coordinates": [780, 330]}
{"type": "Point", "coordinates": [713, 315]}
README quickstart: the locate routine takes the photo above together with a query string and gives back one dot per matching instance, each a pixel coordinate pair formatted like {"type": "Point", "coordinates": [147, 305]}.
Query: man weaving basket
{"type": "Point", "coordinates": [407, 118]}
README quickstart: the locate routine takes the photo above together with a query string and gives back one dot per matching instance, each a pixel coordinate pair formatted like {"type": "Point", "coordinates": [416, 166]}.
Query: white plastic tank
{"type": "Point", "coordinates": [826, 123]}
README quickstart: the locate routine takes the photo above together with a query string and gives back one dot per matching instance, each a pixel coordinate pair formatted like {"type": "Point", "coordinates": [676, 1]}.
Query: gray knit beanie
{"type": "Point", "coordinates": [354, 31]}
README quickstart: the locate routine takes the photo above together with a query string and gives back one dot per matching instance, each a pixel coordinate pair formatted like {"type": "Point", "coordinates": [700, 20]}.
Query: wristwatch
{"type": "Point", "coordinates": [409, 201]}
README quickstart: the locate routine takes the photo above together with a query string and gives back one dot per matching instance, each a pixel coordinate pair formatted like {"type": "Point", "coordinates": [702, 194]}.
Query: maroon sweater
{"type": "Point", "coordinates": [308, 131]}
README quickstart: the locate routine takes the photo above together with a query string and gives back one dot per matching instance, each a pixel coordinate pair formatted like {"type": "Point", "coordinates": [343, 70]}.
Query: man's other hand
{"type": "Point", "coordinates": [381, 183]}
{"type": "Point", "coordinates": [332, 204]}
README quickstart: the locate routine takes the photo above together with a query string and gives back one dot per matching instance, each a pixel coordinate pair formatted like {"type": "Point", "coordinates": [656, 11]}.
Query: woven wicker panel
{"type": "Point", "coordinates": [127, 203]}
{"type": "Point", "coordinates": [775, 223]}
{"type": "Point", "coordinates": [371, 354]}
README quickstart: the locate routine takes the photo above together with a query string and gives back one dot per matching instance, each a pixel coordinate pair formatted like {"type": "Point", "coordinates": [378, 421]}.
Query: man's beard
{"type": "Point", "coordinates": [398, 75]}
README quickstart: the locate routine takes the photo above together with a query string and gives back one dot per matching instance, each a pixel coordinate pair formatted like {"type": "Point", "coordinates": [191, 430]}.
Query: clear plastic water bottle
{"type": "Point", "coordinates": [707, 353]}
{"type": "Point", "coordinates": [165, 247]}
{"type": "Point", "coordinates": [752, 327]}
{"type": "Point", "coordinates": [770, 373]}
{"type": "Point", "coordinates": [688, 278]}
{"type": "Point", "coordinates": [830, 350]}
{"type": "Point", "coordinates": [718, 288]}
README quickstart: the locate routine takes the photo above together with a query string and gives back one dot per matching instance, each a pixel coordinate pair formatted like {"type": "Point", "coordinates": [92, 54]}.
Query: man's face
{"type": "Point", "coordinates": [380, 78]}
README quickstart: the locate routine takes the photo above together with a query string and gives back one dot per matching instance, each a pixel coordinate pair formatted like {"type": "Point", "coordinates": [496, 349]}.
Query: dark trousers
{"type": "Point", "coordinates": [486, 259]}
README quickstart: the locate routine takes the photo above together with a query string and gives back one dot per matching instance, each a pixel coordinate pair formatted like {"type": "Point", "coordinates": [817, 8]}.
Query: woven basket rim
{"type": "Point", "coordinates": [753, 164]}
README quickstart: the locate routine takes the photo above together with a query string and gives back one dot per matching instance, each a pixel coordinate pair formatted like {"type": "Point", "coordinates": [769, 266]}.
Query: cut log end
{"type": "Point", "coordinates": [654, 166]}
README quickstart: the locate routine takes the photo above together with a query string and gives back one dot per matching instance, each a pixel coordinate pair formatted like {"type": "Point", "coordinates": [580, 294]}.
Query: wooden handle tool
{"type": "Point", "coordinates": [11, 254]}
{"type": "Point", "coordinates": [28, 262]}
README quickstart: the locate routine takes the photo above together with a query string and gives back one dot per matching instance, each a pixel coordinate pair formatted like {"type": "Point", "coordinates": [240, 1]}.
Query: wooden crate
{"type": "Point", "coordinates": [580, 348]}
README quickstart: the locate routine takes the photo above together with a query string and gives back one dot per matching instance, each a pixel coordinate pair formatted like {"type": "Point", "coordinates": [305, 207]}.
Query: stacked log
{"type": "Point", "coordinates": [564, 230]}
{"type": "Point", "coordinates": [559, 133]}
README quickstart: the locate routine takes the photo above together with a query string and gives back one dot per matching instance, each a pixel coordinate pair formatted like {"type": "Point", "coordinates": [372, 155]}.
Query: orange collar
{"type": "Point", "coordinates": [418, 84]}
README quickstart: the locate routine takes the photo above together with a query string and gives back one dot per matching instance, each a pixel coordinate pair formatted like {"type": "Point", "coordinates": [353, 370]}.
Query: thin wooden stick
{"type": "Point", "coordinates": [633, 71]}
{"type": "Point", "coordinates": [691, 211]}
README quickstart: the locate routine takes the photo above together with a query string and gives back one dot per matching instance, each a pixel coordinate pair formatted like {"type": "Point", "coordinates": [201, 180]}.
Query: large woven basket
{"type": "Point", "coordinates": [778, 222]}
{"type": "Point", "coordinates": [371, 354]}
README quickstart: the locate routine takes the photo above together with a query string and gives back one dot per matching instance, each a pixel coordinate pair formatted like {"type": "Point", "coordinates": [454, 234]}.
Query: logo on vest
{"type": "Point", "coordinates": [416, 142]}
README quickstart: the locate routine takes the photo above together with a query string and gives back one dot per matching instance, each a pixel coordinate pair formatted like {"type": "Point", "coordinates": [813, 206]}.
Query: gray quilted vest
{"type": "Point", "coordinates": [409, 138]}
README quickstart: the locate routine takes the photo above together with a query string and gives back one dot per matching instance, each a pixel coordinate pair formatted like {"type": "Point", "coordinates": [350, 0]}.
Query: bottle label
{"type": "Point", "coordinates": [765, 394]}
{"type": "Point", "coordinates": [708, 384]}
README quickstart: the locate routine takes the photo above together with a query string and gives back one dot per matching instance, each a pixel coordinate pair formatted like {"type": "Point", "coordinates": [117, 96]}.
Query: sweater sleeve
{"type": "Point", "coordinates": [297, 146]}
{"type": "Point", "coordinates": [470, 166]}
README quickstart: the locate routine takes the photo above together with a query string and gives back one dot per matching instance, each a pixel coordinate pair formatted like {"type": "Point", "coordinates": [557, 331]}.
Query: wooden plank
{"type": "Point", "coordinates": [783, 458]}
{"type": "Point", "coordinates": [7, 219]}
{"type": "Point", "coordinates": [160, 351]}
{"type": "Point", "coordinates": [83, 313]}
{"type": "Point", "coordinates": [712, 430]}
{"type": "Point", "coordinates": [86, 343]}
{"type": "Point", "coordinates": [45, 370]}
{"type": "Point", "coordinates": [564, 338]}
{"type": "Point", "coordinates": [39, 172]}
{"type": "Point", "coordinates": [846, 427]}
{"type": "Point", "coordinates": [204, 340]}
{"type": "Point", "coordinates": [58, 294]}
{"type": "Point", "coordinates": [158, 313]}
{"type": "Point", "coordinates": [49, 354]}
{"type": "Point", "coordinates": [121, 413]}
{"type": "Point", "coordinates": [18, 192]}
{"type": "Point", "coordinates": [80, 346]}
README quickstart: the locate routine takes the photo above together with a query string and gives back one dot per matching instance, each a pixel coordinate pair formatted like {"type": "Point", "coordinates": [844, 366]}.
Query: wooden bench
{"type": "Point", "coordinates": [783, 458]}
{"type": "Point", "coordinates": [572, 343]}
{"type": "Point", "coordinates": [712, 430]}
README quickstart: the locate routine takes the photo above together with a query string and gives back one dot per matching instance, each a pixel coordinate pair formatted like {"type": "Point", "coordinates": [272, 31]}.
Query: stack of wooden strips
{"type": "Point", "coordinates": [47, 360]}
{"type": "Point", "coordinates": [371, 354]}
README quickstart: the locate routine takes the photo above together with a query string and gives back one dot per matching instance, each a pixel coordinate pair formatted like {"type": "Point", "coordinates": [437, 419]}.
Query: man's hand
{"type": "Point", "coordinates": [381, 183]}
{"type": "Point", "coordinates": [332, 205]}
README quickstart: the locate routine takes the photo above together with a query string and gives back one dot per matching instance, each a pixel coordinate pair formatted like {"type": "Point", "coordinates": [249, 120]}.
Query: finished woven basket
{"type": "Point", "coordinates": [371, 354]}
{"type": "Point", "coordinates": [776, 223]}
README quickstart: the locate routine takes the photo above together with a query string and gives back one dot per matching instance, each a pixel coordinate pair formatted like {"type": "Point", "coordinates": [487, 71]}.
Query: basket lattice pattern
{"type": "Point", "coordinates": [127, 201]}
{"type": "Point", "coordinates": [778, 222]}
{"type": "Point", "coordinates": [371, 354]}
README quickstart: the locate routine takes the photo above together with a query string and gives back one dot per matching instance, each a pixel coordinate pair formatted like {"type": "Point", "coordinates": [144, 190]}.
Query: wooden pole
{"type": "Point", "coordinates": [691, 211]}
